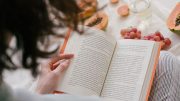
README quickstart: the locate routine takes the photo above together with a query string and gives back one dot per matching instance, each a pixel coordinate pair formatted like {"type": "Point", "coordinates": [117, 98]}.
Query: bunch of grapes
{"type": "Point", "coordinates": [131, 33]}
{"type": "Point", "coordinates": [157, 36]}
{"type": "Point", "coordinates": [134, 33]}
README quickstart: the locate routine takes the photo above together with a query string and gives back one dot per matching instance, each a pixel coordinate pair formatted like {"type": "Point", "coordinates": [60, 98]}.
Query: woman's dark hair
{"type": "Point", "coordinates": [29, 21]}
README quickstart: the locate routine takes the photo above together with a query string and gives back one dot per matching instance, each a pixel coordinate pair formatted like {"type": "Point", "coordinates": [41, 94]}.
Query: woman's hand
{"type": "Point", "coordinates": [48, 78]}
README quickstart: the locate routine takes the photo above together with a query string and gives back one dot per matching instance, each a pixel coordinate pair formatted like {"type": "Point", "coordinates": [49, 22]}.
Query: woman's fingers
{"type": "Point", "coordinates": [62, 66]}
{"type": "Point", "coordinates": [60, 57]}
{"type": "Point", "coordinates": [57, 64]}
{"type": "Point", "coordinates": [66, 56]}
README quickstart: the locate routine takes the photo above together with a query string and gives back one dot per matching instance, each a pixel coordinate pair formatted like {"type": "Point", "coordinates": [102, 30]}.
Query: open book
{"type": "Point", "coordinates": [120, 70]}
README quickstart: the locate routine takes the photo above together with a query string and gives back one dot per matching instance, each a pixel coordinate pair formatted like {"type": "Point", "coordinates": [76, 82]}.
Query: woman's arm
{"type": "Point", "coordinates": [48, 81]}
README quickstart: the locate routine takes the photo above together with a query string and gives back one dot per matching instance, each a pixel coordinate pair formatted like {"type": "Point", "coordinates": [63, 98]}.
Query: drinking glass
{"type": "Point", "coordinates": [142, 8]}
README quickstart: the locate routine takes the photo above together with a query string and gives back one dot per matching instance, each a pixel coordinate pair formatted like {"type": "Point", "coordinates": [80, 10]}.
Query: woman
{"type": "Point", "coordinates": [29, 22]}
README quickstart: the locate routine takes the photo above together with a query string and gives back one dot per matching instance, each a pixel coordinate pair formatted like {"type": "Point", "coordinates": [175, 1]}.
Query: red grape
{"type": "Point", "coordinates": [167, 41]}
{"type": "Point", "coordinates": [131, 33]}
{"type": "Point", "coordinates": [157, 38]}
{"type": "Point", "coordinates": [138, 35]}
{"type": "Point", "coordinates": [134, 33]}
{"type": "Point", "coordinates": [126, 37]}
{"type": "Point", "coordinates": [134, 30]}
{"type": "Point", "coordinates": [157, 33]}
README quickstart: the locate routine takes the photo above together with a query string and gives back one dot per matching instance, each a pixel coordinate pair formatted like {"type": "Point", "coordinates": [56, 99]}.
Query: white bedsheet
{"type": "Point", "coordinates": [160, 11]}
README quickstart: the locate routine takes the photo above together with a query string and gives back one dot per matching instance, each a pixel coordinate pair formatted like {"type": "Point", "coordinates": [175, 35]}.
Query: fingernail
{"type": "Point", "coordinates": [71, 54]}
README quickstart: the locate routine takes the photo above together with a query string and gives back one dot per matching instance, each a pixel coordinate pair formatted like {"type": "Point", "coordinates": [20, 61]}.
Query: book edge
{"type": "Point", "coordinates": [153, 73]}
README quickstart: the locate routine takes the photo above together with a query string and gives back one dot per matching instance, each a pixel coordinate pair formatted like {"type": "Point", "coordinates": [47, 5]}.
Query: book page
{"type": "Point", "coordinates": [127, 70]}
{"type": "Point", "coordinates": [93, 52]}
